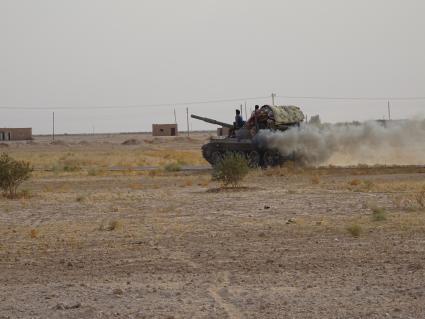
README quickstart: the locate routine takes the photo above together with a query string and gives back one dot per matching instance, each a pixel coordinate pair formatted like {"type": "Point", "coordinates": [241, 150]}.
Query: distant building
{"type": "Point", "coordinates": [223, 131]}
{"type": "Point", "coordinates": [15, 134]}
{"type": "Point", "coordinates": [164, 130]}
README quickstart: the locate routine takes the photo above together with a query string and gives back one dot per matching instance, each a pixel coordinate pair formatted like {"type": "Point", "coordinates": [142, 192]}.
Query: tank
{"type": "Point", "coordinates": [242, 140]}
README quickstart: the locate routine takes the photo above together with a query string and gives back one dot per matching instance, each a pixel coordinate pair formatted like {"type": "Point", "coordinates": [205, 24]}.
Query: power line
{"type": "Point", "coordinates": [9, 107]}
{"type": "Point", "coordinates": [203, 102]}
{"type": "Point", "coordinates": [342, 98]}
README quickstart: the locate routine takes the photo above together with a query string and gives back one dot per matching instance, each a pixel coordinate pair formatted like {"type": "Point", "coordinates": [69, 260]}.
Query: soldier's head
{"type": "Point", "coordinates": [238, 112]}
{"type": "Point", "coordinates": [257, 107]}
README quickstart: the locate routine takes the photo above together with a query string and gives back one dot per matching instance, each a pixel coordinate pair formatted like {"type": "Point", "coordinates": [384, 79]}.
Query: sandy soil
{"type": "Point", "coordinates": [173, 245]}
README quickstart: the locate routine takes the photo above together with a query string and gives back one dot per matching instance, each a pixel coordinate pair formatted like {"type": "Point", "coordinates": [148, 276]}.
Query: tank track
{"type": "Point", "coordinates": [207, 151]}
{"type": "Point", "coordinates": [211, 154]}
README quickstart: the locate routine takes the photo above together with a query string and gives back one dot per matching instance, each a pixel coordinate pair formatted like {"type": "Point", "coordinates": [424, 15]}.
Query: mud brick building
{"type": "Point", "coordinates": [164, 130]}
{"type": "Point", "coordinates": [15, 134]}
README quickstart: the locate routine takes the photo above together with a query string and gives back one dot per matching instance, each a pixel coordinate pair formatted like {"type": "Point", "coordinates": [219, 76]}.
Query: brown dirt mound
{"type": "Point", "coordinates": [158, 140]}
{"type": "Point", "coordinates": [131, 141]}
{"type": "Point", "coordinates": [59, 143]}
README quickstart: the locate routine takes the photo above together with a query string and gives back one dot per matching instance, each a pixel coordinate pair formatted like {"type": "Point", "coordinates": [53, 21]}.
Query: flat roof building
{"type": "Point", "coordinates": [164, 130]}
{"type": "Point", "coordinates": [15, 134]}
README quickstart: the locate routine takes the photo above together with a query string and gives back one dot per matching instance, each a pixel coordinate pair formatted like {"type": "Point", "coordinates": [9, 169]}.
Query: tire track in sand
{"type": "Point", "coordinates": [220, 293]}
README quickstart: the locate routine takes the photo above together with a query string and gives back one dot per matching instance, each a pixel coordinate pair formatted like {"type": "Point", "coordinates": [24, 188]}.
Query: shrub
{"type": "Point", "coordinates": [71, 165]}
{"type": "Point", "coordinates": [368, 185]}
{"type": "Point", "coordinates": [173, 167]}
{"type": "Point", "coordinates": [378, 214]}
{"type": "Point", "coordinates": [231, 170]}
{"type": "Point", "coordinates": [94, 171]}
{"type": "Point", "coordinates": [355, 230]}
{"type": "Point", "coordinates": [12, 174]}
{"type": "Point", "coordinates": [420, 198]}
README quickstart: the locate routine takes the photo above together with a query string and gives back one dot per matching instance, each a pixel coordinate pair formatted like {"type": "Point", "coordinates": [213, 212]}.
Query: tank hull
{"type": "Point", "coordinates": [257, 156]}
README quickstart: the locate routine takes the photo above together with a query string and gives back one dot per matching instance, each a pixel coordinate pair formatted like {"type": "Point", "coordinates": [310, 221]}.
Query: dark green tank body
{"type": "Point", "coordinates": [217, 148]}
{"type": "Point", "coordinates": [243, 141]}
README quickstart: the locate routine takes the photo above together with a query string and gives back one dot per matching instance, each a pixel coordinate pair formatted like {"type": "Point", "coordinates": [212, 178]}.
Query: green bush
{"type": "Point", "coordinates": [12, 174]}
{"type": "Point", "coordinates": [173, 167]}
{"type": "Point", "coordinates": [378, 214]}
{"type": "Point", "coordinates": [231, 170]}
{"type": "Point", "coordinates": [71, 165]}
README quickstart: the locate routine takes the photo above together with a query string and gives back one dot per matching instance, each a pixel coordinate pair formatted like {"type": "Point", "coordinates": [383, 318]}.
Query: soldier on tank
{"type": "Point", "coordinates": [256, 110]}
{"type": "Point", "coordinates": [239, 122]}
{"type": "Point", "coordinates": [252, 123]}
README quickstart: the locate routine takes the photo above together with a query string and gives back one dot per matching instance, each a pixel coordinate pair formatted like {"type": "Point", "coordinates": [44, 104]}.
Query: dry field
{"type": "Point", "coordinates": [87, 242]}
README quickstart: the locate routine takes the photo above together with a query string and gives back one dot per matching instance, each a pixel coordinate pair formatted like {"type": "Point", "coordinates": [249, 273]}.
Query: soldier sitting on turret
{"type": "Point", "coordinates": [239, 122]}
{"type": "Point", "coordinates": [256, 111]}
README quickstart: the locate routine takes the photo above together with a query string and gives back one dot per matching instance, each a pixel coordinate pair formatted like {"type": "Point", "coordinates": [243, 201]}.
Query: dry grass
{"type": "Point", "coordinates": [204, 181]}
{"type": "Point", "coordinates": [378, 186]}
{"type": "Point", "coordinates": [33, 233]}
{"type": "Point", "coordinates": [355, 182]}
{"type": "Point", "coordinates": [287, 169]}
{"type": "Point", "coordinates": [420, 198]}
{"type": "Point", "coordinates": [155, 172]}
{"type": "Point", "coordinates": [315, 180]}
{"type": "Point", "coordinates": [355, 230]}
{"type": "Point", "coordinates": [80, 198]}
{"type": "Point", "coordinates": [95, 171]}
{"type": "Point", "coordinates": [94, 161]}
{"type": "Point", "coordinates": [409, 202]}
{"type": "Point", "coordinates": [188, 182]}
{"type": "Point", "coordinates": [136, 186]}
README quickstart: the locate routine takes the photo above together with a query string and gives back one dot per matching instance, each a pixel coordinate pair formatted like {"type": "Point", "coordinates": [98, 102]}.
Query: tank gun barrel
{"type": "Point", "coordinates": [211, 121]}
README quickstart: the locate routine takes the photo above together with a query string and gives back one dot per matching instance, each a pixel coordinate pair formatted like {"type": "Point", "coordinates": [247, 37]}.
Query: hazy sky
{"type": "Point", "coordinates": [86, 53]}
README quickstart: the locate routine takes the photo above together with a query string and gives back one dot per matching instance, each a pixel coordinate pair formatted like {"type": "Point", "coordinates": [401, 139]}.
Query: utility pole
{"type": "Point", "coordinates": [389, 111]}
{"type": "Point", "coordinates": [187, 119]}
{"type": "Point", "coordinates": [246, 114]}
{"type": "Point", "coordinates": [273, 97]}
{"type": "Point", "coordinates": [241, 111]}
{"type": "Point", "coordinates": [175, 117]}
{"type": "Point", "coordinates": [53, 135]}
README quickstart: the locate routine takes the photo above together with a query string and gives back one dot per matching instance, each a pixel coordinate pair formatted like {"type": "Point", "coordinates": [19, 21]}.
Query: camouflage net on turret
{"type": "Point", "coordinates": [288, 114]}
{"type": "Point", "coordinates": [274, 117]}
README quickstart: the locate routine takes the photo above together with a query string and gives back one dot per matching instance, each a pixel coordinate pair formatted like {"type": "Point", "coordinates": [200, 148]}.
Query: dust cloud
{"type": "Point", "coordinates": [390, 143]}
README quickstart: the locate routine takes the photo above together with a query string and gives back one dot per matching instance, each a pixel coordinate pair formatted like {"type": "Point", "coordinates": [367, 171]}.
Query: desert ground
{"type": "Point", "coordinates": [106, 228]}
